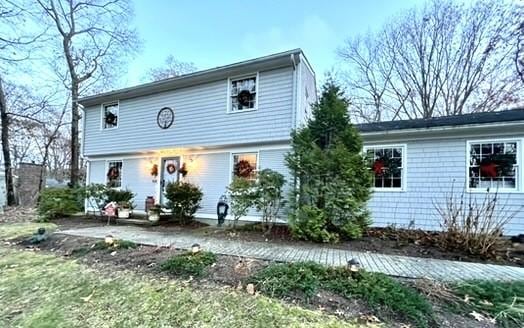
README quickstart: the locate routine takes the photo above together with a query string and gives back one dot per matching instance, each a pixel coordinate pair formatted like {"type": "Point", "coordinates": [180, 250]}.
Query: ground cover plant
{"type": "Point", "coordinates": [502, 301]}
{"type": "Point", "coordinates": [378, 290]}
{"type": "Point", "coordinates": [189, 263]}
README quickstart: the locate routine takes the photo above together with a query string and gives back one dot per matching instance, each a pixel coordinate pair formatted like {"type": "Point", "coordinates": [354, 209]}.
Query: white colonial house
{"type": "Point", "coordinates": [198, 126]}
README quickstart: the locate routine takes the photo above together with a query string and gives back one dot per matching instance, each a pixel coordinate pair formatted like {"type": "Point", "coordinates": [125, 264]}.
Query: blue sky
{"type": "Point", "coordinates": [215, 33]}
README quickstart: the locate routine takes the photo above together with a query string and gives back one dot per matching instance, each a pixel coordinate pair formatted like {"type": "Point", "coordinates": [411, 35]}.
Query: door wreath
{"type": "Point", "coordinates": [171, 168]}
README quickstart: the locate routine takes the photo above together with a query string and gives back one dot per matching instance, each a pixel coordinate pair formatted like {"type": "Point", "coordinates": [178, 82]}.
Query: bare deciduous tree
{"type": "Point", "coordinates": [446, 58]}
{"type": "Point", "coordinates": [172, 68]}
{"type": "Point", "coordinates": [95, 37]}
{"type": "Point", "coordinates": [13, 49]}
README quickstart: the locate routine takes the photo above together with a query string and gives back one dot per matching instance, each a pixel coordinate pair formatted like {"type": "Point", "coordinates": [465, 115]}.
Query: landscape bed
{"type": "Point", "coordinates": [234, 273]}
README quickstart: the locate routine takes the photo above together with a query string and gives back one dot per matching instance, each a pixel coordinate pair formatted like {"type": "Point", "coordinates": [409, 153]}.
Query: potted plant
{"type": "Point", "coordinates": [153, 214]}
{"type": "Point", "coordinates": [124, 210]}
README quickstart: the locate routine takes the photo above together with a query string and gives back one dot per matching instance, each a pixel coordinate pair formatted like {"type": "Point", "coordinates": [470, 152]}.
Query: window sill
{"type": "Point", "coordinates": [375, 189]}
{"type": "Point", "coordinates": [492, 191]}
{"type": "Point", "coordinates": [242, 111]}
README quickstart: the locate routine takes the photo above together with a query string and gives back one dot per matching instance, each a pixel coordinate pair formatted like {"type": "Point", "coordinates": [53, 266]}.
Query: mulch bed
{"type": "Point", "coordinates": [228, 271]}
{"type": "Point", "coordinates": [417, 243]}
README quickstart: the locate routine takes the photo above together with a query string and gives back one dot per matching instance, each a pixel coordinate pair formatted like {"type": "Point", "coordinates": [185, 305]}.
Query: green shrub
{"type": "Point", "coordinates": [241, 197]}
{"type": "Point", "coordinates": [312, 225]}
{"type": "Point", "coordinates": [281, 280]}
{"type": "Point", "coordinates": [184, 199]}
{"type": "Point", "coordinates": [333, 180]}
{"type": "Point", "coordinates": [103, 245]}
{"type": "Point", "coordinates": [296, 279]}
{"type": "Point", "coordinates": [501, 300]}
{"type": "Point", "coordinates": [58, 202]}
{"type": "Point", "coordinates": [268, 196]}
{"type": "Point", "coordinates": [189, 264]}
{"type": "Point", "coordinates": [119, 196]}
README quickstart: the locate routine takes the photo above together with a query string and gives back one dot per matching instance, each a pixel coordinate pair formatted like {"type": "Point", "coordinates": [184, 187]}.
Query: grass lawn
{"type": "Point", "coordinates": [42, 290]}
{"type": "Point", "coordinates": [15, 230]}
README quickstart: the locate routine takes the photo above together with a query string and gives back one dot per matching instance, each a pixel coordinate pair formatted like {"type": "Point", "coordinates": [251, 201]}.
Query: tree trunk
{"type": "Point", "coordinates": [75, 144]}
{"type": "Point", "coordinates": [11, 200]}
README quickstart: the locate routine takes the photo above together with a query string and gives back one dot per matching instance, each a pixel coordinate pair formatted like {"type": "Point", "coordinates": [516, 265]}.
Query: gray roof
{"type": "Point", "coordinates": [281, 59]}
{"type": "Point", "coordinates": [457, 120]}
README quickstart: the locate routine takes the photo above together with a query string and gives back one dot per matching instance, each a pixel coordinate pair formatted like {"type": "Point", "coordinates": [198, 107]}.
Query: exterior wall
{"type": "Point", "coordinates": [201, 118]}
{"type": "Point", "coordinates": [210, 171]}
{"type": "Point", "coordinates": [433, 167]}
{"type": "Point", "coordinates": [307, 92]}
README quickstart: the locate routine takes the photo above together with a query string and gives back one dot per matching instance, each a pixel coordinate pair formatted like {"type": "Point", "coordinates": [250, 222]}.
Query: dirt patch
{"type": "Point", "coordinates": [228, 271]}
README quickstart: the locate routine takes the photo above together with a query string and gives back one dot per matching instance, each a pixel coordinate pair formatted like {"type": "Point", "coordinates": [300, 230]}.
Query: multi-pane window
{"type": "Point", "coordinates": [110, 116]}
{"type": "Point", "coordinates": [387, 164]}
{"type": "Point", "coordinates": [245, 165]}
{"type": "Point", "coordinates": [243, 94]}
{"type": "Point", "coordinates": [114, 174]}
{"type": "Point", "coordinates": [493, 164]}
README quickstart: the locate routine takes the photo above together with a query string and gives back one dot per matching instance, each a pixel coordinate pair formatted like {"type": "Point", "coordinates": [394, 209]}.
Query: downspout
{"type": "Point", "coordinates": [294, 111]}
{"type": "Point", "coordinates": [295, 85]}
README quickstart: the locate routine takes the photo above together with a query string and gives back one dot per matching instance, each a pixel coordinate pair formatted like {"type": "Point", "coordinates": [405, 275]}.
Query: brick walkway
{"type": "Point", "coordinates": [402, 266]}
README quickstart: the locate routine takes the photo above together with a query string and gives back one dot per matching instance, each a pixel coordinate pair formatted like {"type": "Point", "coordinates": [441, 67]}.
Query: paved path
{"type": "Point", "coordinates": [402, 266]}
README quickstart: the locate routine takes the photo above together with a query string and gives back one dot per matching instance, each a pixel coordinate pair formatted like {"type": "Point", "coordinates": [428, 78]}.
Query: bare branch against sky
{"type": "Point", "coordinates": [445, 58]}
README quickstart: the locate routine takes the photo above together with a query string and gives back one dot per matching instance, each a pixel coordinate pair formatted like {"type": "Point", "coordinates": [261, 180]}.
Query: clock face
{"type": "Point", "coordinates": [165, 118]}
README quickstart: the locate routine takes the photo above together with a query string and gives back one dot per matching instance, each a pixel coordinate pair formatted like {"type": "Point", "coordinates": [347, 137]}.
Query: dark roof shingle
{"type": "Point", "coordinates": [457, 120]}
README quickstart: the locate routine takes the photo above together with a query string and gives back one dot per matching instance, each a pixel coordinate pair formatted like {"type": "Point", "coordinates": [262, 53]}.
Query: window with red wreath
{"type": "Point", "coordinates": [243, 93]}
{"type": "Point", "coordinates": [387, 166]}
{"type": "Point", "coordinates": [114, 174]}
{"type": "Point", "coordinates": [493, 164]}
{"type": "Point", "coordinates": [245, 165]}
{"type": "Point", "coordinates": [110, 118]}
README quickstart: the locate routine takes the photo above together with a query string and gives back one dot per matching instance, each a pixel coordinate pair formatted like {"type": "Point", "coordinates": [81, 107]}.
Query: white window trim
{"type": "Point", "coordinates": [231, 159]}
{"type": "Point", "coordinates": [241, 77]}
{"type": "Point", "coordinates": [403, 177]}
{"type": "Point", "coordinates": [121, 173]}
{"type": "Point", "coordinates": [518, 183]}
{"type": "Point", "coordinates": [102, 117]}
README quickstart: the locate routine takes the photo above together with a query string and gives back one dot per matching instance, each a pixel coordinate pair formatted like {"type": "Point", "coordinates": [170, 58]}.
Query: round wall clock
{"type": "Point", "coordinates": [165, 118]}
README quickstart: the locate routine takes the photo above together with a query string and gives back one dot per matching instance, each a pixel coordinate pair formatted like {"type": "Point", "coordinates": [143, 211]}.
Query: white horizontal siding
{"type": "Point", "coordinates": [433, 167]}
{"type": "Point", "coordinates": [201, 118]}
{"type": "Point", "coordinates": [211, 172]}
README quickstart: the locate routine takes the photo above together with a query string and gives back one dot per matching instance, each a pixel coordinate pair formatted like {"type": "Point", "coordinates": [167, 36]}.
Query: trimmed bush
{"type": "Point", "coordinates": [241, 196]}
{"type": "Point", "coordinates": [184, 199]}
{"type": "Point", "coordinates": [189, 264]}
{"type": "Point", "coordinates": [306, 278]}
{"type": "Point", "coordinates": [58, 202]}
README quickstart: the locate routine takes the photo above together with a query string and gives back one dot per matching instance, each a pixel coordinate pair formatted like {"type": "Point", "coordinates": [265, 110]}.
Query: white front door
{"type": "Point", "coordinates": [170, 168]}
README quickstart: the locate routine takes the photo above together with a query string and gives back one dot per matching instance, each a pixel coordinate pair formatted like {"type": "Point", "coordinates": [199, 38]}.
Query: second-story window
{"type": "Point", "coordinates": [110, 115]}
{"type": "Point", "coordinates": [243, 94]}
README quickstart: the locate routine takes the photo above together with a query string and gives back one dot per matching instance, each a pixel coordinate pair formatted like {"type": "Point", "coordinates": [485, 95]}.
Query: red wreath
{"type": "Point", "coordinates": [243, 169]}
{"type": "Point", "coordinates": [113, 173]}
{"type": "Point", "coordinates": [378, 167]}
{"type": "Point", "coordinates": [171, 168]}
{"type": "Point", "coordinates": [489, 170]}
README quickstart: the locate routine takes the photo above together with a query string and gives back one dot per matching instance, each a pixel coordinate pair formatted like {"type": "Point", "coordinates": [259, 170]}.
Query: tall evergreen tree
{"type": "Point", "coordinates": [333, 181]}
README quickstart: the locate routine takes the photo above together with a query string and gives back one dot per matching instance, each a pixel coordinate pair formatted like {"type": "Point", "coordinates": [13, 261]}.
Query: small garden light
{"type": "Point", "coordinates": [353, 265]}
{"type": "Point", "coordinates": [195, 248]}
{"type": "Point", "coordinates": [222, 208]}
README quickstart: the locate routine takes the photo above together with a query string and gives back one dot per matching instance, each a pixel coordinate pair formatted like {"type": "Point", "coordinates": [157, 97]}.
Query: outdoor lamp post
{"type": "Point", "coordinates": [222, 208]}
